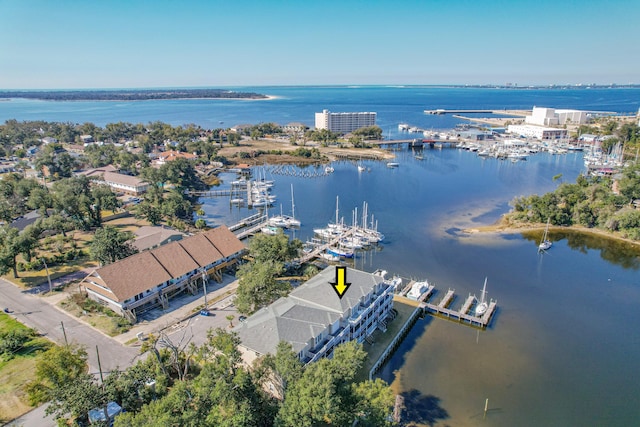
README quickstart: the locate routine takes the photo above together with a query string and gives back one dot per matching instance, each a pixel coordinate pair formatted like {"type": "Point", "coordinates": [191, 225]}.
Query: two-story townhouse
{"type": "Point", "coordinates": [152, 277]}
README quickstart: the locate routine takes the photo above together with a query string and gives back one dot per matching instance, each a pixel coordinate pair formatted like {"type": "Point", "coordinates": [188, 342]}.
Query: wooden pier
{"type": "Point", "coordinates": [463, 315]}
{"type": "Point", "coordinates": [442, 308]}
{"type": "Point", "coordinates": [321, 248]}
{"type": "Point", "coordinates": [440, 111]}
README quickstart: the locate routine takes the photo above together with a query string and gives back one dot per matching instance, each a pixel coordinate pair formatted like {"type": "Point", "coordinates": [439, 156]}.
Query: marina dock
{"type": "Point", "coordinates": [443, 111]}
{"type": "Point", "coordinates": [442, 308]}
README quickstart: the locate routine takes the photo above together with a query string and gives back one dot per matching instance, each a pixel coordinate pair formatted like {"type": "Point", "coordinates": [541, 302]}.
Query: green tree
{"type": "Point", "coordinates": [276, 248]}
{"type": "Point", "coordinates": [109, 245]}
{"type": "Point", "coordinates": [258, 287]}
{"type": "Point", "coordinates": [72, 198]}
{"type": "Point", "coordinates": [40, 198]}
{"type": "Point", "coordinates": [10, 248]}
{"type": "Point", "coordinates": [148, 211]}
{"type": "Point", "coordinates": [283, 369]}
{"type": "Point", "coordinates": [57, 369]}
{"type": "Point", "coordinates": [13, 340]}
{"type": "Point", "coordinates": [326, 393]}
{"type": "Point", "coordinates": [176, 206]}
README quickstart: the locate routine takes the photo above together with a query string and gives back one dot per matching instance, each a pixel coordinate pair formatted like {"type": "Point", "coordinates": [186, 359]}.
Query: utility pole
{"type": "Point", "coordinates": [100, 367]}
{"type": "Point", "coordinates": [64, 333]}
{"type": "Point", "coordinates": [204, 286]}
{"type": "Point", "coordinates": [48, 276]}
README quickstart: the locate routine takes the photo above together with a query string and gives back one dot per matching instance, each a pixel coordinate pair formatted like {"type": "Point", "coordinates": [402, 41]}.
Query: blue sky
{"type": "Point", "coordinates": [50, 44]}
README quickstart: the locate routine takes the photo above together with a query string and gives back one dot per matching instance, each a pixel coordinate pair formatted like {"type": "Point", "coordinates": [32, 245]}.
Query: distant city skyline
{"type": "Point", "coordinates": [139, 44]}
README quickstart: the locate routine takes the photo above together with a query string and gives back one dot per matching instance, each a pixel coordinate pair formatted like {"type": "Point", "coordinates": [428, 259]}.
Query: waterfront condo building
{"type": "Point", "coordinates": [344, 122]}
{"type": "Point", "coordinates": [314, 320]}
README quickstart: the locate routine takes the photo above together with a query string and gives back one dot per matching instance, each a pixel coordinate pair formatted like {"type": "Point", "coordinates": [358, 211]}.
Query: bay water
{"type": "Point", "coordinates": [563, 347]}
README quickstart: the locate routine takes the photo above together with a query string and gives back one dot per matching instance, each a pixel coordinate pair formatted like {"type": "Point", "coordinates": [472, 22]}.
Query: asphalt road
{"type": "Point", "coordinates": [32, 310]}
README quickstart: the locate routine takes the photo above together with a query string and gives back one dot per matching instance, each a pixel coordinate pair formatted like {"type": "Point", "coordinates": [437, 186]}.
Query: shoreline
{"type": "Point", "coordinates": [501, 227]}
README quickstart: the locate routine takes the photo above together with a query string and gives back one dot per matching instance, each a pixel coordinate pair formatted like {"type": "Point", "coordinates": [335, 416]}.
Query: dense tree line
{"type": "Point", "coordinates": [128, 95]}
{"type": "Point", "coordinates": [78, 203]}
{"type": "Point", "coordinates": [589, 202]}
{"type": "Point", "coordinates": [210, 386]}
{"type": "Point", "coordinates": [627, 134]}
{"type": "Point", "coordinates": [16, 137]}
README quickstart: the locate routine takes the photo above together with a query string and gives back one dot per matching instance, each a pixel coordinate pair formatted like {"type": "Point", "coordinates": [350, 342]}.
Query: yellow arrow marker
{"type": "Point", "coordinates": [341, 285]}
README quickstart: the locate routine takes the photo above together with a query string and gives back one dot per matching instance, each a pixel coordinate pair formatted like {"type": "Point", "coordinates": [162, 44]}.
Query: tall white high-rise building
{"type": "Point", "coordinates": [344, 122]}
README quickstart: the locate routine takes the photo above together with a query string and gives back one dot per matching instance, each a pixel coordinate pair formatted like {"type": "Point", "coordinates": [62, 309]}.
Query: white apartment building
{"type": "Point", "coordinates": [344, 122]}
{"type": "Point", "coordinates": [314, 320]}
{"type": "Point", "coordinates": [542, 116]}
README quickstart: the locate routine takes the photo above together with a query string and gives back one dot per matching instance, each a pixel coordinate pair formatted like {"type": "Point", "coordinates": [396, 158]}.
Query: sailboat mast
{"type": "Point", "coordinates": [293, 205]}
{"type": "Point", "coordinates": [484, 291]}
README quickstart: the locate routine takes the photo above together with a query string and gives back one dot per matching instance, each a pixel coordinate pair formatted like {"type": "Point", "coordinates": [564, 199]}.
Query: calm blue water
{"type": "Point", "coordinates": [564, 346]}
{"type": "Point", "coordinates": [298, 104]}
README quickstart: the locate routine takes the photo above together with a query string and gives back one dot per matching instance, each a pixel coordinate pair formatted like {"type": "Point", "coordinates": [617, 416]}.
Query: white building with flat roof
{"type": "Point", "coordinates": [538, 132]}
{"type": "Point", "coordinates": [543, 116]}
{"type": "Point", "coordinates": [344, 122]}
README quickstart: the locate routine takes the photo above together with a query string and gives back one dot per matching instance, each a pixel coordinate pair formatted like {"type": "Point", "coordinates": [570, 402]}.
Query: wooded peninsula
{"type": "Point", "coordinates": [129, 94]}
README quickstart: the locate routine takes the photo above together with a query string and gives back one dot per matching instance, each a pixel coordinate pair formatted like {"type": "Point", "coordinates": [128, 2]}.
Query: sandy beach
{"type": "Point", "coordinates": [503, 226]}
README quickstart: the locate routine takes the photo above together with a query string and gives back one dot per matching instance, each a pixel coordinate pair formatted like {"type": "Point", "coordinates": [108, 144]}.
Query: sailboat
{"type": "Point", "coordinates": [545, 243]}
{"type": "Point", "coordinates": [291, 220]}
{"type": "Point", "coordinates": [482, 306]}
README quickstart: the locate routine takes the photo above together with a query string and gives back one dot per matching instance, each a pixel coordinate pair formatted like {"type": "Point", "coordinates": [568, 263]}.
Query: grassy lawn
{"type": "Point", "coordinates": [382, 339]}
{"type": "Point", "coordinates": [17, 371]}
{"type": "Point", "coordinates": [95, 314]}
{"type": "Point", "coordinates": [51, 246]}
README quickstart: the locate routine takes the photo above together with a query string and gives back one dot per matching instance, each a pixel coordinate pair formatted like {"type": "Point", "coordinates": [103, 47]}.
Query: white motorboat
{"type": "Point", "coordinates": [330, 257]}
{"type": "Point", "coordinates": [270, 230]}
{"type": "Point", "coordinates": [393, 164]}
{"type": "Point", "coordinates": [482, 306]}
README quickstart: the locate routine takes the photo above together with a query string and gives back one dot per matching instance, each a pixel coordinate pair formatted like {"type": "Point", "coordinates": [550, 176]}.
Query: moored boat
{"type": "Point", "coordinates": [482, 306]}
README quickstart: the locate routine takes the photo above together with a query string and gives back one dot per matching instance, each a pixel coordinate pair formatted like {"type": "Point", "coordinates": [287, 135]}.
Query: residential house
{"type": "Point", "coordinates": [149, 237]}
{"type": "Point", "coordinates": [120, 183]}
{"type": "Point", "coordinates": [149, 279]}
{"type": "Point", "coordinates": [294, 127]}
{"type": "Point", "coordinates": [167, 156]}
{"type": "Point", "coordinates": [314, 320]}
{"type": "Point", "coordinates": [241, 128]}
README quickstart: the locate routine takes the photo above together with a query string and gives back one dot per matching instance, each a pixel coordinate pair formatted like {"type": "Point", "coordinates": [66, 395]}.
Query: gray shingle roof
{"type": "Point", "coordinates": [305, 313]}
